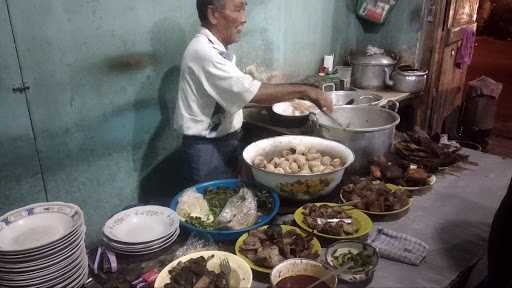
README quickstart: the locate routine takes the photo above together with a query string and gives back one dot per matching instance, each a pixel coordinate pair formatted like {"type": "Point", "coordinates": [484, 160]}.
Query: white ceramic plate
{"type": "Point", "coordinates": [430, 183]}
{"type": "Point", "coordinates": [49, 280]}
{"type": "Point", "coordinates": [37, 225]}
{"type": "Point", "coordinates": [241, 274]}
{"type": "Point", "coordinates": [148, 250]}
{"type": "Point", "coordinates": [40, 264]}
{"type": "Point", "coordinates": [47, 251]}
{"type": "Point", "coordinates": [23, 265]}
{"type": "Point", "coordinates": [78, 281]}
{"type": "Point", "coordinates": [44, 270]}
{"type": "Point", "coordinates": [289, 108]}
{"type": "Point", "coordinates": [141, 246]}
{"type": "Point", "coordinates": [141, 224]}
{"type": "Point", "coordinates": [80, 277]}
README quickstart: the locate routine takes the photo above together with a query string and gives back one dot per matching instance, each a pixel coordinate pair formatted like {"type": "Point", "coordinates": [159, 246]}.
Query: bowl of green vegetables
{"type": "Point", "coordinates": [354, 261]}
{"type": "Point", "coordinates": [225, 209]}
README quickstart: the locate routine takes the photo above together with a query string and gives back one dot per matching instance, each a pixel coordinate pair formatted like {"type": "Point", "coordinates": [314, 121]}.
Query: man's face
{"type": "Point", "coordinates": [230, 21]}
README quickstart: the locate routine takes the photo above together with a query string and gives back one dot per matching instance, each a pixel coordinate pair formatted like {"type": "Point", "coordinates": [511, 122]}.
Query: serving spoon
{"type": "Point", "coordinates": [330, 274]}
{"type": "Point", "coordinates": [322, 221]}
{"type": "Point", "coordinates": [328, 115]}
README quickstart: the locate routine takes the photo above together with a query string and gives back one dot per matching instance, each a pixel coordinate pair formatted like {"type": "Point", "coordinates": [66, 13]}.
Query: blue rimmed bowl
{"type": "Point", "coordinates": [227, 235]}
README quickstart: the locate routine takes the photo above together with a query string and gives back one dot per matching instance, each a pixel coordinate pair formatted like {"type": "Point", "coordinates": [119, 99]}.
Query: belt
{"type": "Point", "coordinates": [230, 136]}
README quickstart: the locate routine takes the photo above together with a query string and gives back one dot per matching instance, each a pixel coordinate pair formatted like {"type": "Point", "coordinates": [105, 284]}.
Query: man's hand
{"type": "Point", "coordinates": [322, 101]}
{"type": "Point", "coordinates": [269, 94]}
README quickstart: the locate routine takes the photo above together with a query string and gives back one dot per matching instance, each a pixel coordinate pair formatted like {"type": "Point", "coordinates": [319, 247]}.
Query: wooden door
{"type": "Point", "coordinates": [446, 85]}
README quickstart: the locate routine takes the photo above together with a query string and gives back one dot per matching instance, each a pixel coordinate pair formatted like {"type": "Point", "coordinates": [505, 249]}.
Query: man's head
{"type": "Point", "coordinates": [224, 18]}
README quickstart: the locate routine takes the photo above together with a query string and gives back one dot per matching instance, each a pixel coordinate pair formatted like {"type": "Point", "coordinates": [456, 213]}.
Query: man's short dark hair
{"type": "Point", "coordinates": [202, 9]}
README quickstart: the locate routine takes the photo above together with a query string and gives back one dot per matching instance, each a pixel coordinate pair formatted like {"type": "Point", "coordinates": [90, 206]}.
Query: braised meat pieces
{"type": "Point", "coordinates": [418, 147]}
{"type": "Point", "coordinates": [322, 218]}
{"type": "Point", "coordinates": [272, 246]}
{"type": "Point", "coordinates": [194, 274]}
{"type": "Point", "coordinates": [399, 172]}
{"type": "Point", "coordinates": [374, 196]}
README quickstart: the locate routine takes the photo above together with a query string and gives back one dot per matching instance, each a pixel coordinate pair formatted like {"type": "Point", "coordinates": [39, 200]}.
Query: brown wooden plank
{"type": "Point", "coordinates": [456, 34]}
{"type": "Point", "coordinates": [433, 42]}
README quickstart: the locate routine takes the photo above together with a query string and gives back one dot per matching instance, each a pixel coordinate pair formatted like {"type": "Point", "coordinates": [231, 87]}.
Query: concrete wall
{"type": "Point", "coordinates": [400, 33]}
{"type": "Point", "coordinates": [103, 77]}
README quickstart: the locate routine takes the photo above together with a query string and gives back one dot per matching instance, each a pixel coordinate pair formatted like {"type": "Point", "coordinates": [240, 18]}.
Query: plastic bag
{"type": "Point", "coordinates": [241, 211]}
{"type": "Point", "coordinates": [375, 11]}
{"type": "Point", "coordinates": [196, 243]}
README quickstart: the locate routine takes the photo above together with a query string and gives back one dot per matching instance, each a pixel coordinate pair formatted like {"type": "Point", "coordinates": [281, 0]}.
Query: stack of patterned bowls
{"type": "Point", "coordinates": [142, 230]}
{"type": "Point", "coordinates": [42, 245]}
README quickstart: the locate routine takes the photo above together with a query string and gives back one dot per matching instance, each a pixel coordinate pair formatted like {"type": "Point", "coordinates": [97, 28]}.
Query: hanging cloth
{"type": "Point", "coordinates": [465, 50]}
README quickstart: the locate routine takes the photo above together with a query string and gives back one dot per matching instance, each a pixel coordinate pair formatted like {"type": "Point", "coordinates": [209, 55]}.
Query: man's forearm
{"type": "Point", "coordinates": [269, 94]}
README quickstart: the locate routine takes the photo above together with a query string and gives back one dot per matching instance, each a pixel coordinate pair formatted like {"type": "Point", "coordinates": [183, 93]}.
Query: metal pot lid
{"type": "Point", "coordinates": [376, 59]}
{"type": "Point", "coordinates": [411, 72]}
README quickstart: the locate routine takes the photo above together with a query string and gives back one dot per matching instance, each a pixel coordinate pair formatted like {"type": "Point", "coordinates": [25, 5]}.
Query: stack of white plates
{"type": "Point", "coordinates": [42, 245]}
{"type": "Point", "coordinates": [142, 230]}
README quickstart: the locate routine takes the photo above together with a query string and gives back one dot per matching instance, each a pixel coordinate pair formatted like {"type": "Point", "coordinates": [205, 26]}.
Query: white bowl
{"type": "Point", "coordinates": [45, 251]}
{"type": "Point", "coordinates": [241, 274]}
{"type": "Point", "coordinates": [354, 246]}
{"type": "Point", "coordinates": [298, 186]}
{"type": "Point", "coordinates": [43, 270]}
{"type": "Point", "coordinates": [51, 257]}
{"type": "Point", "coordinates": [138, 247]}
{"type": "Point", "coordinates": [299, 266]}
{"type": "Point", "coordinates": [160, 245]}
{"type": "Point", "coordinates": [141, 224]}
{"type": "Point", "coordinates": [52, 279]}
{"type": "Point", "coordinates": [36, 226]}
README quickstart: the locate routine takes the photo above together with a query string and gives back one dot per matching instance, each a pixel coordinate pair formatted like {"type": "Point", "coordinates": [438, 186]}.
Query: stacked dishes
{"type": "Point", "coordinates": [142, 230]}
{"type": "Point", "coordinates": [42, 245]}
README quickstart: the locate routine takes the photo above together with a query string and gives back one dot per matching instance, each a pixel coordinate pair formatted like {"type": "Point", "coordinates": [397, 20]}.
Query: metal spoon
{"type": "Point", "coordinates": [330, 274]}
{"type": "Point", "coordinates": [322, 221]}
{"type": "Point", "coordinates": [327, 114]}
{"type": "Point", "coordinates": [334, 120]}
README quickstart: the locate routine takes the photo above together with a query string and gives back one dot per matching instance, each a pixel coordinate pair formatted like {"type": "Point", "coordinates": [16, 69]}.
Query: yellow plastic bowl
{"type": "Point", "coordinates": [316, 247]}
{"type": "Point", "coordinates": [241, 274]}
{"type": "Point", "coordinates": [363, 222]}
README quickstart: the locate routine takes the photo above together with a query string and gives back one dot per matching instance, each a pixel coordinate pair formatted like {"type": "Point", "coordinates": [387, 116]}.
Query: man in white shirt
{"type": "Point", "coordinates": [213, 91]}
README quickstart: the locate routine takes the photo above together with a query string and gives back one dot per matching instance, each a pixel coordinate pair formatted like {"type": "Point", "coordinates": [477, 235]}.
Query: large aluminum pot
{"type": "Point", "coordinates": [369, 72]}
{"type": "Point", "coordinates": [350, 97]}
{"type": "Point", "coordinates": [353, 98]}
{"type": "Point", "coordinates": [367, 130]}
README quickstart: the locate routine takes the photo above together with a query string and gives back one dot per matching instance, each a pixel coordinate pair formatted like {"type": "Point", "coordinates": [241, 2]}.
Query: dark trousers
{"type": "Point", "coordinates": [208, 159]}
{"type": "Point", "coordinates": [500, 245]}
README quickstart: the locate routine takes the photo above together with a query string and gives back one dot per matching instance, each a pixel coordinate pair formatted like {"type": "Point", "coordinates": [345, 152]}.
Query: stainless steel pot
{"type": "Point", "coordinates": [368, 131]}
{"type": "Point", "coordinates": [357, 98]}
{"type": "Point", "coordinates": [369, 72]}
{"type": "Point", "coordinates": [405, 79]}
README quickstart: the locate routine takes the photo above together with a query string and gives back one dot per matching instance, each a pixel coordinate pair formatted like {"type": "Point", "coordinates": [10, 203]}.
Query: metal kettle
{"type": "Point", "coordinates": [406, 79]}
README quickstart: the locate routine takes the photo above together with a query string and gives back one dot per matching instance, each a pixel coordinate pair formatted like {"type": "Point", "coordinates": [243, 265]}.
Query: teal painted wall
{"type": "Point", "coordinates": [400, 33]}
{"type": "Point", "coordinates": [103, 77]}
{"type": "Point", "coordinates": [20, 178]}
